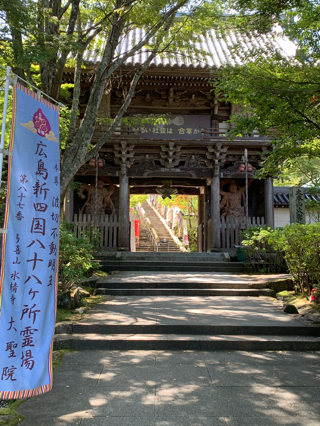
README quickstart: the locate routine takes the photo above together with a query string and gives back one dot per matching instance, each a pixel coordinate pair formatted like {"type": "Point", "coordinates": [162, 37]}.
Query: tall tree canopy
{"type": "Point", "coordinates": [281, 94]}
{"type": "Point", "coordinates": [38, 38]}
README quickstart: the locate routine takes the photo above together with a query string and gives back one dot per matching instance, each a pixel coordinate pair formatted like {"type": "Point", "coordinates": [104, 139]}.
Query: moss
{"type": "Point", "coordinates": [100, 273]}
{"type": "Point", "coordinates": [91, 301]}
{"type": "Point", "coordinates": [66, 315]}
{"type": "Point", "coordinates": [57, 357]}
{"type": "Point", "coordinates": [9, 416]}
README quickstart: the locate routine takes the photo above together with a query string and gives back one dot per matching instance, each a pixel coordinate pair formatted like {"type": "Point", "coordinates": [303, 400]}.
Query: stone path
{"type": "Point", "coordinates": [186, 387]}
{"type": "Point", "coordinates": [95, 388]}
{"type": "Point", "coordinates": [250, 311]}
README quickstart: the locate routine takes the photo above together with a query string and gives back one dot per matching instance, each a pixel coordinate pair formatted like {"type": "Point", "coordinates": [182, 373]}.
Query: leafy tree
{"type": "Point", "coordinates": [136, 199]}
{"type": "Point", "coordinates": [284, 106]}
{"type": "Point", "coordinates": [47, 33]}
{"type": "Point", "coordinates": [282, 93]}
{"type": "Point", "coordinates": [188, 204]}
{"type": "Point", "coordinates": [300, 171]}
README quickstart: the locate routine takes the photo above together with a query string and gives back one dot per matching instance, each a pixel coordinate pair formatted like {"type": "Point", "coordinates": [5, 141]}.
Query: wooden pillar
{"type": "Point", "coordinates": [201, 207]}
{"type": "Point", "coordinates": [215, 209]}
{"type": "Point", "coordinates": [268, 201]}
{"type": "Point", "coordinates": [201, 220]}
{"type": "Point", "coordinates": [123, 235]}
{"type": "Point", "coordinates": [68, 204]}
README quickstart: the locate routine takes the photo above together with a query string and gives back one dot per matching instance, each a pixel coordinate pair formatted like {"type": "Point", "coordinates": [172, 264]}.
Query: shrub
{"type": "Point", "coordinates": [75, 257]}
{"type": "Point", "coordinates": [298, 245]}
{"type": "Point", "coordinates": [301, 247]}
{"type": "Point", "coordinates": [259, 250]}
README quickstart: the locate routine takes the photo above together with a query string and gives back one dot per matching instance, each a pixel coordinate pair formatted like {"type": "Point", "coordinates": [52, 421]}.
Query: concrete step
{"type": "Point", "coordinates": [186, 292]}
{"type": "Point", "coordinates": [185, 342]}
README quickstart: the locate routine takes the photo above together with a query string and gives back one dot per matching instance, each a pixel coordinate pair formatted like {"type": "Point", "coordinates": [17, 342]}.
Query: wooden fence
{"type": "Point", "coordinates": [231, 226]}
{"type": "Point", "coordinates": [107, 226]}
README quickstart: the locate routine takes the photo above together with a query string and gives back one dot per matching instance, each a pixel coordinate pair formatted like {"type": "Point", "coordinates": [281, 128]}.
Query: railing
{"type": "Point", "coordinates": [107, 226]}
{"type": "Point", "coordinates": [154, 238]}
{"type": "Point", "coordinates": [230, 228]}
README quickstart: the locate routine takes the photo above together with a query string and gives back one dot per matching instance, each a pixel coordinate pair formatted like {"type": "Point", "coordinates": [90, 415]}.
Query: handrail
{"type": "Point", "coordinates": [153, 234]}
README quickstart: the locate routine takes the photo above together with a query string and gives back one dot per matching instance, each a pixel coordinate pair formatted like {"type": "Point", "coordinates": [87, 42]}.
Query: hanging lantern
{"type": "Point", "coordinates": [242, 168]}
{"type": "Point", "coordinates": [92, 162]}
{"type": "Point", "coordinates": [166, 190]}
{"type": "Point", "coordinates": [249, 168]}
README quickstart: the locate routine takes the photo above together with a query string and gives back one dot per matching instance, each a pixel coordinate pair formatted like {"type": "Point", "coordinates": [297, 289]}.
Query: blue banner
{"type": "Point", "coordinates": [30, 249]}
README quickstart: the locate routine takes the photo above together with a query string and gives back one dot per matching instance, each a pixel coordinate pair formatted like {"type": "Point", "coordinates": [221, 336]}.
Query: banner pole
{"type": "Point", "coordinates": [4, 119]}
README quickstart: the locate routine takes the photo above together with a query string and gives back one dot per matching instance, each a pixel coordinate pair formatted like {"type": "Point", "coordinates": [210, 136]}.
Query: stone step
{"type": "Point", "coordinates": [179, 256]}
{"type": "Point", "coordinates": [185, 342]}
{"type": "Point", "coordinates": [209, 330]}
{"type": "Point", "coordinates": [186, 292]}
{"type": "Point", "coordinates": [170, 266]}
{"type": "Point", "coordinates": [137, 266]}
{"type": "Point", "coordinates": [114, 284]}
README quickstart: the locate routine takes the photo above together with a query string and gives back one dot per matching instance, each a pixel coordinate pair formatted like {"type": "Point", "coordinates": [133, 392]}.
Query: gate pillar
{"type": "Point", "coordinates": [215, 209]}
{"type": "Point", "coordinates": [123, 236]}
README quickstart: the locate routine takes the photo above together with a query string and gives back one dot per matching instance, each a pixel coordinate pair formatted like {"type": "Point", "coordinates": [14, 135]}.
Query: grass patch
{"type": "Point", "coordinates": [298, 300]}
{"type": "Point", "coordinates": [8, 414]}
{"type": "Point", "coordinates": [66, 315]}
{"type": "Point", "coordinates": [91, 301]}
{"type": "Point", "coordinates": [86, 302]}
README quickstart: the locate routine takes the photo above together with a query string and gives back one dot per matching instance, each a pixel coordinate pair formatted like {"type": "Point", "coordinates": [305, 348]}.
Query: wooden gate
{"type": "Point", "coordinates": [107, 226]}
{"type": "Point", "coordinates": [231, 226]}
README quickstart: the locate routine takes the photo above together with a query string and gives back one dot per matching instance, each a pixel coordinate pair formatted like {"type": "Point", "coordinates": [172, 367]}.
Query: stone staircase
{"type": "Point", "coordinates": [203, 312]}
{"type": "Point", "coordinates": [164, 235]}
{"type": "Point", "coordinates": [146, 243]}
{"type": "Point", "coordinates": [167, 261]}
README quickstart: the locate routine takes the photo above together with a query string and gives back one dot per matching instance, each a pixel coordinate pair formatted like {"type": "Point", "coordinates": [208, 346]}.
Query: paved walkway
{"type": "Point", "coordinates": [236, 310]}
{"type": "Point", "coordinates": [183, 388]}
{"type": "Point", "coordinates": [95, 388]}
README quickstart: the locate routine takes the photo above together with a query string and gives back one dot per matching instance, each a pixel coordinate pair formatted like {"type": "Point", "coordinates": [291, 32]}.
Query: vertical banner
{"type": "Point", "coordinates": [137, 227]}
{"type": "Point", "coordinates": [30, 249]}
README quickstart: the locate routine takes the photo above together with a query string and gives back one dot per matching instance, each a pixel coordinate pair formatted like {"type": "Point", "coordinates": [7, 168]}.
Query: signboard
{"type": "Point", "coordinates": [181, 127]}
{"type": "Point", "coordinates": [30, 249]}
{"type": "Point", "coordinates": [297, 205]}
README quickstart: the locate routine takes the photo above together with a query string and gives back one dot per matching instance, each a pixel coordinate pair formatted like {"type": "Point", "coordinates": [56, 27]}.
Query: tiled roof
{"type": "Point", "coordinates": [282, 198]}
{"type": "Point", "coordinates": [217, 49]}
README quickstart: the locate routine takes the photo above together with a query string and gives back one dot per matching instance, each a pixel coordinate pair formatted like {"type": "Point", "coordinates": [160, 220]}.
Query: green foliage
{"type": "Point", "coordinates": [260, 255]}
{"type": "Point", "coordinates": [301, 247]}
{"type": "Point", "coordinates": [283, 100]}
{"type": "Point", "coordinates": [300, 171]}
{"type": "Point", "coordinates": [282, 93]}
{"type": "Point", "coordinates": [188, 204]}
{"type": "Point", "coordinates": [9, 415]}
{"type": "Point", "coordinates": [75, 257]}
{"type": "Point", "coordinates": [193, 240]}
{"type": "Point", "coordinates": [138, 199]}
{"type": "Point", "coordinates": [298, 245]}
